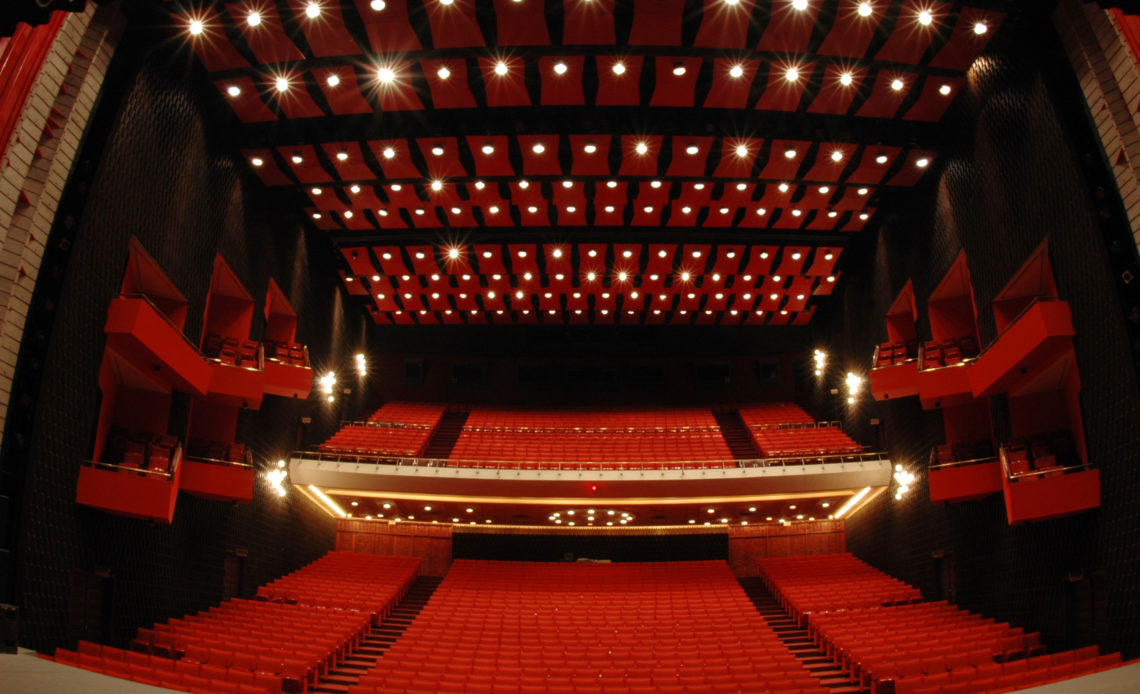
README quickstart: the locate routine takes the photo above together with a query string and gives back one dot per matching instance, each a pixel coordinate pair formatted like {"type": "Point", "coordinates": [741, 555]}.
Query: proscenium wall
{"type": "Point", "coordinates": [1023, 168]}
{"type": "Point", "coordinates": [161, 174]}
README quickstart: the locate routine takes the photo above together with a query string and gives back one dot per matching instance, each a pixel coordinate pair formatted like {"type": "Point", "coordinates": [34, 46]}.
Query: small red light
{"type": "Point", "coordinates": [593, 487]}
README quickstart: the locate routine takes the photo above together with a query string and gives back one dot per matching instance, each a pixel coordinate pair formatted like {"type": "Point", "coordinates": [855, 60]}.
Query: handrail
{"type": "Point", "coordinates": [383, 425]}
{"type": "Point", "coordinates": [247, 463]}
{"type": "Point", "coordinates": [593, 466]}
{"type": "Point", "coordinates": [922, 360]}
{"type": "Point", "coordinates": [166, 319]}
{"type": "Point", "coordinates": [175, 460]}
{"type": "Point", "coordinates": [1014, 476]}
{"type": "Point", "coordinates": [260, 361]}
{"type": "Point", "coordinates": [1036, 300]}
{"type": "Point", "coordinates": [956, 463]}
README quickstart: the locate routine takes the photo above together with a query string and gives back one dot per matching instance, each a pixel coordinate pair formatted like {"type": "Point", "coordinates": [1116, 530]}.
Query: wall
{"type": "Point", "coordinates": [747, 545]}
{"type": "Point", "coordinates": [1024, 167]}
{"type": "Point", "coordinates": [432, 543]}
{"type": "Point", "coordinates": [154, 167]}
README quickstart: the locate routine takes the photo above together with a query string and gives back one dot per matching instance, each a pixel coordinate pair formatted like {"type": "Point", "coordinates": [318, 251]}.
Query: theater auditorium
{"type": "Point", "coordinates": [567, 346]}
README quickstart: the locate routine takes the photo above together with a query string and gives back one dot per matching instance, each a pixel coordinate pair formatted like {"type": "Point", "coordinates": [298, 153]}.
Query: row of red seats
{"type": "Point", "coordinates": [584, 447]}
{"type": "Point", "coordinates": [216, 450]}
{"type": "Point", "coordinates": [286, 352]}
{"type": "Point", "coordinates": [965, 450]}
{"type": "Point", "coordinates": [160, 672]}
{"type": "Point", "coordinates": [231, 351]}
{"type": "Point", "coordinates": [643, 419]}
{"type": "Point", "coordinates": [368, 582]}
{"type": "Point", "coordinates": [948, 352]}
{"type": "Point", "coordinates": [776, 443]}
{"type": "Point", "coordinates": [1008, 676]}
{"type": "Point", "coordinates": [715, 464]}
{"type": "Point", "coordinates": [773, 414]}
{"type": "Point", "coordinates": [379, 441]}
{"type": "Point", "coordinates": [621, 628]}
{"type": "Point", "coordinates": [891, 353]}
{"type": "Point", "coordinates": [830, 582]}
{"type": "Point", "coordinates": [420, 415]}
{"type": "Point", "coordinates": [142, 451]}
{"type": "Point", "coordinates": [1047, 454]}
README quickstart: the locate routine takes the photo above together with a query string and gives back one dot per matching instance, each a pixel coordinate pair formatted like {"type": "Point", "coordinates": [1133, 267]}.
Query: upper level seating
{"type": "Point", "coordinates": [804, 441]}
{"type": "Point", "coordinates": [142, 450]}
{"type": "Point", "coordinates": [824, 582]}
{"type": "Point", "coordinates": [1048, 454]}
{"type": "Point", "coordinates": [672, 419]}
{"type": "Point", "coordinates": [891, 353]}
{"type": "Point", "coordinates": [368, 582]}
{"type": "Point", "coordinates": [560, 628]}
{"type": "Point", "coordinates": [773, 414]}
{"type": "Point", "coordinates": [587, 447]}
{"type": "Point", "coordinates": [412, 415]}
{"type": "Point", "coordinates": [216, 450]}
{"type": "Point", "coordinates": [965, 450]}
{"type": "Point", "coordinates": [948, 352]}
{"type": "Point", "coordinates": [378, 440]}
{"type": "Point", "coordinates": [230, 350]}
{"type": "Point", "coordinates": [287, 352]}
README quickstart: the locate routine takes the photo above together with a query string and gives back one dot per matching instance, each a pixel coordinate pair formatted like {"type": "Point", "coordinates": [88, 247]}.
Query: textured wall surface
{"type": "Point", "coordinates": [1025, 169]}
{"type": "Point", "coordinates": [162, 178]}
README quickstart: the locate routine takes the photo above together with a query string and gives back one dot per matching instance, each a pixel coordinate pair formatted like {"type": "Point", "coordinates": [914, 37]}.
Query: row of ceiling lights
{"type": "Point", "coordinates": [571, 209]}
{"type": "Point", "coordinates": [924, 16]}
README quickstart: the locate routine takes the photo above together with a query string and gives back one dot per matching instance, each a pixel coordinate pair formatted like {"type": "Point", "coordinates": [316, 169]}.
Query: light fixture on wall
{"type": "Point", "coordinates": [905, 480]}
{"type": "Point", "coordinates": [361, 364]}
{"type": "Point", "coordinates": [854, 382]}
{"type": "Point", "coordinates": [820, 358]}
{"type": "Point", "coordinates": [276, 478]}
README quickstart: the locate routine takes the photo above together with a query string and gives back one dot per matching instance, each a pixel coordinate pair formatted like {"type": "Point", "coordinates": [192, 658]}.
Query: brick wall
{"type": "Point", "coordinates": [1026, 166]}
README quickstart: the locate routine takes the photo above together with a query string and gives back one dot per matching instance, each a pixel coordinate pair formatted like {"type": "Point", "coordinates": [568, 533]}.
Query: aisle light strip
{"type": "Point", "coordinates": [332, 505]}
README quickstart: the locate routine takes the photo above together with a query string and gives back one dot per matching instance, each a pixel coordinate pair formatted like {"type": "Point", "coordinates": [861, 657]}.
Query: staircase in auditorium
{"type": "Point", "coordinates": [797, 639]}
{"type": "Point", "coordinates": [376, 644]}
{"type": "Point", "coordinates": [446, 433]}
{"type": "Point", "coordinates": [736, 435]}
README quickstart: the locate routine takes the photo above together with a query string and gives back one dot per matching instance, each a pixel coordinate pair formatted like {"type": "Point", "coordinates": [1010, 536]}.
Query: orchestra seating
{"type": "Point", "coordinates": [300, 627]}
{"type": "Point", "coordinates": [880, 632]}
{"type": "Point", "coordinates": [671, 419]}
{"type": "Point", "coordinates": [633, 628]}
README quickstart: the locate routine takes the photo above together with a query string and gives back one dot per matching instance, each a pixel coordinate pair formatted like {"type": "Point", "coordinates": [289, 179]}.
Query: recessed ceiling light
{"type": "Point", "coordinates": [446, 2]}
{"type": "Point", "coordinates": [799, 5]}
{"type": "Point", "coordinates": [864, 216]}
{"type": "Point", "coordinates": [832, 214]}
{"type": "Point", "coordinates": [944, 90]}
{"type": "Point", "coordinates": [980, 28]}
{"type": "Point", "coordinates": [500, 68]}
{"type": "Point", "coordinates": [760, 211]}
{"type": "Point", "coordinates": [317, 191]}
{"type": "Point", "coordinates": [686, 209]}
{"type": "Point", "coordinates": [685, 276]}
{"type": "Point", "coordinates": [796, 213]}
{"type": "Point", "coordinates": [488, 149]}
{"type": "Point", "coordinates": [257, 161]}
{"type": "Point", "coordinates": [532, 209]}
{"type": "Point", "coordinates": [282, 84]}
{"type": "Point", "coordinates": [437, 185]}
{"type": "Point", "coordinates": [348, 214]}
{"type": "Point", "coordinates": [897, 84]}
{"type": "Point", "coordinates": [396, 187]}
{"type": "Point", "coordinates": [742, 186]}
{"type": "Point", "coordinates": [443, 73]}
{"type": "Point", "coordinates": [590, 148]}
{"type": "Point", "coordinates": [648, 209]}
{"type": "Point", "coordinates": [317, 215]}
{"type": "Point", "coordinates": [925, 18]}
{"type": "Point", "coordinates": [736, 71]}
{"type": "Point", "coordinates": [881, 159]}
{"type": "Point", "coordinates": [641, 148]}
{"type": "Point", "coordinates": [312, 10]}
{"type": "Point", "coordinates": [662, 253]}
{"type": "Point", "coordinates": [627, 254]}
{"type": "Point", "coordinates": [420, 211]}
{"type": "Point", "coordinates": [611, 184]}
{"type": "Point", "coordinates": [846, 79]}
{"type": "Point", "coordinates": [922, 163]}
{"type": "Point", "coordinates": [538, 148]}
{"type": "Point", "coordinates": [741, 151]}
{"type": "Point", "coordinates": [619, 68]}
{"type": "Point", "coordinates": [783, 187]}
{"type": "Point", "coordinates": [864, 9]}
{"type": "Point", "coordinates": [655, 184]}
{"type": "Point", "coordinates": [253, 19]}
{"type": "Point", "coordinates": [382, 213]}
{"type": "Point", "coordinates": [388, 152]}
{"type": "Point", "coordinates": [790, 153]}
{"type": "Point", "coordinates": [824, 190]}
{"type": "Point", "coordinates": [196, 27]}
{"type": "Point", "coordinates": [792, 74]}
{"type": "Point", "coordinates": [233, 90]}
{"type": "Point", "coordinates": [560, 68]}
{"type": "Point", "coordinates": [837, 155]}
{"type": "Point", "coordinates": [609, 208]}
{"type": "Point", "coordinates": [524, 184]}
{"type": "Point", "coordinates": [377, 5]}
{"type": "Point", "coordinates": [797, 255]}
{"type": "Point", "coordinates": [678, 69]}
{"type": "Point", "coordinates": [557, 253]}
{"type": "Point", "coordinates": [342, 155]}
{"type": "Point", "coordinates": [385, 75]}
{"type": "Point", "coordinates": [479, 185]}
{"type": "Point", "coordinates": [571, 209]}
{"type": "Point", "coordinates": [692, 149]}
{"type": "Point", "coordinates": [568, 184]}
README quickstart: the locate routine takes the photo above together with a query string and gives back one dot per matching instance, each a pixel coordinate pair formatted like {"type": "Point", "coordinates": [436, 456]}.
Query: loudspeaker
{"type": "Point", "coordinates": [9, 619]}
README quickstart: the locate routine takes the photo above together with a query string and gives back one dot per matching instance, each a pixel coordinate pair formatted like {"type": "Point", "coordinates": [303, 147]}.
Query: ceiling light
{"type": "Point", "coordinates": [342, 156]}
{"type": "Point", "coordinates": [233, 90]}
{"type": "Point", "coordinates": [837, 155]}
{"type": "Point", "coordinates": [538, 148]}
{"type": "Point", "coordinates": [692, 149]}
{"type": "Point", "coordinates": [571, 209]}
{"type": "Point", "coordinates": [832, 214]}
{"type": "Point", "coordinates": [518, 295]}
{"type": "Point", "coordinates": [396, 187]}
{"type": "Point", "coordinates": [557, 253]}
{"type": "Point", "coordinates": [253, 19]}
{"type": "Point", "coordinates": [648, 209]}
{"type": "Point", "coordinates": [622, 276]}
{"type": "Point", "coordinates": [678, 69]}
{"type": "Point", "coordinates": [741, 151]}
{"type": "Point", "coordinates": [925, 18]}
{"type": "Point", "coordinates": [443, 73]}
{"type": "Point", "coordinates": [532, 209]}
{"type": "Point", "coordinates": [479, 185]}
{"type": "Point", "coordinates": [560, 68]}
{"type": "Point", "coordinates": [317, 191]}
{"type": "Point", "coordinates": [257, 161]}
{"type": "Point", "coordinates": [609, 208]}
{"type": "Point", "coordinates": [685, 276]}
{"type": "Point", "coordinates": [382, 213]}
{"type": "Point", "coordinates": [655, 184]}
{"type": "Point", "coordinates": [317, 215]}
{"type": "Point", "coordinates": [446, 2]}
{"type": "Point", "coordinates": [796, 213]}
{"type": "Point", "coordinates": [862, 191]}
{"type": "Point", "coordinates": [377, 5]}
{"type": "Point", "coordinates": [797, 256]}
{"type": "Point", "coordinates": [760, 211]}
{"type": "Point", "coordinates": [488, 149]}
{"type": "Point", "coordinates": [196, 27]}
{"type": "Point", "coordinates": [944, 90]}
{"type": "Point", "coordinates": [686, 209]}
{"type": "Point", "coordinates": [824, 190]}
{"type": "Point", "coordinates": [724, 210]}
{"type": "Point", "coordinates": [897, 84]}
{"type": "Point", "coordinates": [881, 159]}
{"type": "Point", "coordinates": [775, 278]}
{"type": "Point", "coordinates": [619, 68]}
{"type": "Point", "coordinates": [611, 184]}
{"type": "Point", "coordinates": [590, 148]}
{"type": "Point", "coordinates": [662, 253]}
{"type": "Point", "coordinates": [641, 148]}
{"type": "Point", "coordinates": [792, 74]}
{"type": "Point", "coordinates": [524, 184]}
{"type": "Point", "coordinates": [420, 211]}
{"type": "Point", "coordinates": [783, 187]}
{"type": "Point", "coordinates": [922, 163]}
{"type": "Point", "coordinates": [568, 184]}
{"type": "Point", "coordinates": [500, 68]}
{"type": "Point", "coordinates": [437, 151]}
{"type": "Point", "coordinates": [491, 294]}
{"type": "Point", "coordinates": [627, 254]}
{"type": "Point", "coordinates": [453, 253]}
{"type": "Point", "coordinates": [864, 216]}
{"type": "Point", "coordinates": [742, 186]}
{"type": "Point", "coordinates": [790, 153]}
{"type": "Point", "coordinates": [437, 185]}
{"type": "Point", "coordinates": [736, 71]}
{"type": "Point", "coordinates": [388, 152]}
{"type": "Point", "coordinates": [846, 79]}
{"type": "Point", "coordinates": [282, 84]}
{"type": "Point", "coordinates": [864, 9]}
{"type": "Point", "coordinates": [799, 5]}
{"type": "Point", "coordinates": [385, 75]}
{"type": "Point", "coordinates": [455, 210]}
{"type": "Point", "coordinates": [829, 256]}
{"type": "Point", "coordinates": [773, 297]}
{"type": "Point", "coordinates": [312, 10]}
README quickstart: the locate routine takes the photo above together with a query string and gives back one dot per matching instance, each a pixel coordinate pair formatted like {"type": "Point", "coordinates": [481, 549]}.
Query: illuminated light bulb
{"type": "Point", "coordinates": [837, 155]}
{"type": "Point", "coordinates": [385, 75]}
{"type": "Point", "coordinates": [648, 209]}
{"type": "Point", "coordinates": [783, 187]}
{"type": "Point", "coordinates": [862, 191]}
{"type": "Point", "coordinates": [679, 69]}
{"type": "Point", "coordinates": [488, 149]}
{"type": "Point", "coordinates": [420, 211]}
{"type": "Point", "coordinates": [233, 90]}
{"type": "Point", "coordinates": [881, 159]}
{"type": "Point", "coordinates": [897, 84]}
{"type": "Point", "coordinates": [500, 68]}
{"type": "Point", "coordinates": [571, 209]}
{"type": "Point", "coordinates": [532, 209]}
{"type": "Point", "coordinates": [925, 18]}
{"type": "Point", "coordinates": [557, 253]}
{"type": "Point", "coordinates": [846, 79]}
{"type": "Point", "coordinates": [196, 27]}
{"type": "Point", "coordinates": [568, 184]}
{"type": "Point", "coordinates": [611, 184]}
{"type": "Point", "coordinates": [741, 151]}
{"type": "Point", "coordinates": [609, 208]}
{"type": "Point", "coordinates": [627, 254]}
{"type": "Point", "coordinates": [396, 187]}
{"type": "Point", "coordinates": [796, 213]}
{"type": "Point", "coordinates": [619, 68]}
{"type": "Point", "coordinates": [377, 5]}
{"type": "Point", "coordinates": [317, 191]}
{"type": "Point", "coordinates": [790, 153]}
{"type": "Point", "coordinates": [253, 19]}
{"type": "Point", "coordinates": [800, 5]}
{"type": "Point", "coordinates": [944, 90]}
{"type": "Point", "coordinates": [524, 184]}
{"type": "Point", "coordinates": [348, 214]}
{"type": "Point", "coordinates": [736, 71]}
{"type": "Point", "coordinates": [317, 215]}
{"type": "Point", "coordinates": [922, 163]}
{"type": "Point", "coordinates": [685, 276]}
{"type": "Point", "coordinates": [389, 153]}
{"type": "Point", "coordinates": [641, 148]}
{"type": "Point", "coordinates": [662, 253]}
{"type": "Point", "coordinates": [437, 185]}
{"type": "Point", "coordinates": [479, 185]}
{"type": "Point", "coordinates": [282, 84]}
{"type": "Point", "coordinates": [832, 214]}
{"type": "Point", "coordinates": [792, 74]}
{"type": "Point", "coordinates": [443, 73]}
{"type": "Point", "coordinates": [655, 184]}
{"type": "Point", "coordinates": [538, 148]}
{"type": "Point", "coordinates": [864, 9]}
{"type": "Point", "coordinates": [590, 148]}
{"type": "Point", "coordinates": [724, 210]}
{"type": "Point", "coordinates": [797, 256]}
{"type": "Point", "coordinates": [824, 190]}
{"type": "Point", "coordinates": [864, 216]}
{"type": "Point", "coordinates": [455, 210]}
{"type": "Point", "coordinates": [257, 161]}
{"type": "Point", "coordinates": [312, 10]}
{"type": "Point", "coordinates": [560, 68]}
{"type": "Point", "coordinates": [342, 156]}
{"type": "Point", "coordinates": [622, 276]}
{"type": "Point", "coordinates": [686, 209]}
{"type": "Point", "coordinates": [382, 213]}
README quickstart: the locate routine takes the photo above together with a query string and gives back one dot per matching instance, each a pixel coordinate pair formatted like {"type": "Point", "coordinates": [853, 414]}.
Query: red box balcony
{"type": "Point", "coordinates": [1035, 498]}
{"type": "Point", "coordinates": [138, 332]}
{"type": "Point", "coordinates": [287, 380]}
{"type": "Point", "coordinates": [1035, 339]}
{"type": "Point", "coordinates": [964, 481]}
{"type": "Point", "coordinates": [894, 381]}
{"type": "Point", "coordinates": [129, 491]}
{"type": "Point", "coordinates": [219, 480]}
{"type": "Point", "coordinates": [243, 386]}
{"type": "Point", "coordinates": [945, 385]}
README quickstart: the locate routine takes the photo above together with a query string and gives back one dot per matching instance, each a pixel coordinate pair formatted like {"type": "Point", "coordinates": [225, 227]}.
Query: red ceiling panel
{"type": "Point", "coordinates": [422, 259]}
{"type": "Point", "coordinates": [851, 33]}
{"type": "Point", "coordinates": [792, 260]}
{"type": "Point", "coordinates": [496, 214]}
{"type": "Point", "coordinates": [823, 220]}
{"type": "Point", "coordinates": [911, 38]}
{"type": "Point", "coordinates": [874, 164]}
{"type": "Point", "coordinates": [391, 260]}
{"type": "Point", "coordinates": [782, 92]}
{"type": "Point", "coordinates": [535, 214]}
{"type": "Point", "coordinates": [540, 155]}
{"type": "Point", "coordinates": [618, 89]}
{"type": "Point", "coordinates": [656, 22]}
{"type": "Point", "coordinates": [826, 285]}
{"type": "Point", "coordinates": [673, 89]}
{"type": "Point", "coordinates": [728, 89]}
{"type": "Point", "coordinates": [389, 30]}
{"type": "Point", "coordinates": [442, 157]}
{"type": "Point", "coordinates": [831, 159]}
{"type": "Point", "coordinates": [490, 153]}
{"type": "Point", "coordinates": [854, 198]}
{"type": "Point", "coordinates": [399, 165]}
{"type": "Point", "coordinates": [724, 25]}
{"type": "Point", "coordinates": [823, 261]}
{"type": "Point", "coordinates": [453, 25]}
{"type": "Point", "coordinates": [916, 164]}
{"type": "Point", "coordinates": [212, 46]}
{"type": "Point", "coordinates": [267, 171]}
{"type": "Point", "coordinates": [353, 286]}
{"type": "Point", "coordinates": [780, 166]}
{"type": "Point", "coordinates": [932, 103]}
{"type": "Point", "coordinates": [608, 215]}
{"type": "Point", "coordinates": [347, 160]}
{"type": "Point", "coordinates": [389, 217]}
{"type": "Point", "coordinates": [760, 259]}
{"type": "Point", "coordinates": [661, 259]}
{"type": "Point", "coordinates": [885, 100]}
{"type": "Point", "coordinates": [789, 30]}
{"type": "Point", "coordinates": [343, 97]}
{"type": "Point", "coordinates": [590, 163]}
{"type": "Point", "coordinates": [399, 94]}
{"type": "Point", "coordinates": [447, 81]}
{"type": "Point", "coordinates": [520, 23]}
{"type": "Point", "coordinates": [267, 39]}
{"type": "Point", "coordinates": [856, 222]}
{"type": "Point", "coordinates": [326, 33]}
{"type": "Point", "coordinates": [638, 163]}
{"type": "Point", "coordinates": [683, 215]}
{"type": "Point", "coordinates": [508, 89]}
{"type": "Point", "coordinates": [686, 165]}
{"type": "Point", "coordinates": [425, 217]}
{"type": "Point", "coordinates": [358, 260]}
{"type": "Point", "coordinates": [562, 88]}
{"type": "Point", "coordinates": [403, 195]}
{"type": "Point", "coordinates": [965, 44]}
{"type": "Point", "coordinates": [732, 164]}
{"type": "Point", "coordinates": [756, 216]}
{"type": "Point", "coordinates": [695, 195]}
{"type": "Point", "coordinates": [295, 101]}
{"type": "Point", "coordinates": [302, 159]}
{"type": "Point", "coordinates": [588, 23]}
{"type": "Point", "coordinates": [569, 192]}
{"type": "Point", "coordinates": [524, 259]}
{"type": "Point", "coordinates": [610, 193]}
{"type": "Point", "coordinates": [834, 96]}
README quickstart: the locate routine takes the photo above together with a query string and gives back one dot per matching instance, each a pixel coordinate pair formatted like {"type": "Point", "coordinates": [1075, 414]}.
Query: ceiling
{"type": "Point", "coordinates": [586, 161]}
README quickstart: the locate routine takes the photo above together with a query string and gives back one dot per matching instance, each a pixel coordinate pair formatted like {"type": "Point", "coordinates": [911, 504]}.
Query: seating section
{"type": "Point", "coordinates": [879, 631]}
{"type": "Point", "coordinates": [143, 451]}
{"type": "Point", "coordinates": [286, 353]}
{"type": "Point", "coordinates": [216, 450]}
{"type": "Point", "coordinates": [570, 420]}
{"type": "Point", "coordinates": [231, 351]}
{"type": "Point", "coordinates": [773, 414]}
{"type": "Point", "coordinates": [1048, 454]}
{"type": "Point", "coordinates": [530, 628]}
{"type": "Point", "coordinates": [965, 450]}
{"type": "Point", "coordinates": [891, 353]}
{"type": "Point", "coordinates": [300, 627]}
{"type": "Point", "coordinates": [360, 439]}
{"type": "Point", "coordinates": [948, 352]}
{"type": "Point", "coordinates": [803, 441]}
{"type": "Point", "coordinates": [345, 580]}
{"type": "Point", "coordinates": [410, 415]}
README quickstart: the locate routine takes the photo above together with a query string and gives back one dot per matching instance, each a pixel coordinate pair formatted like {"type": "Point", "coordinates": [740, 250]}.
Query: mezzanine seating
{"type": "Point", "coordinates": [411, 415]}
{"type": "Point", "coordinates": [891, 353]}
{"type": "Point", "coordinates": [366, 582]}
{"type": "Point", "coordinates": [803, 441]}
{"type": "Point", "coordinates": [378, 441]}
{"type": "Point", "coordinates": [948, 352]}
{"type": "Point", "coordinates": [530, 628]}
{"type": "Point", "coordinates": [286, 352]}
{"type": "Point", "coordinates": [773, 414]}
{"type": "Point", "coordinates": [230, 350]}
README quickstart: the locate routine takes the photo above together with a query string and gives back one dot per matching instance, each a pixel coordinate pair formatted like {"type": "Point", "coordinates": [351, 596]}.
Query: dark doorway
{"type": "Point", "coordinates": [90, 604]}
{"type": "Point", "coordinates": [944, 584]}
{"type": "Point", "coordinates": [233, 576]}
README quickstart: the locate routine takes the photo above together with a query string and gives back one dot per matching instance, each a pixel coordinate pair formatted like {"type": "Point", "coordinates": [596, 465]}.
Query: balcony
{"type": "Point", "coordinates": [962, 480]}
{"type": "Point", "coordinates": [1032, 341]}
{"type": "Point", "coordinates": [1035, 492]}
{"type": "Point", "coordinates": [219, 480]}
{"type": "Point", "coordinates": [894, 374]}
{"type": "Point", "coordinates": [140, 333]}
{"type": "Point", "coordinates": [129, 490]}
